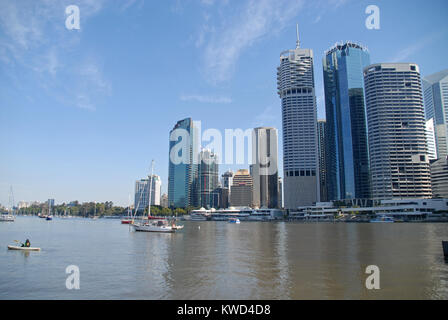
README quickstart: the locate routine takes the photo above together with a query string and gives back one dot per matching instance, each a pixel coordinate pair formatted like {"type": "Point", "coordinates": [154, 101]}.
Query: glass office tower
{"type": "Point", "coordinates": [347, 154]}
{"type": "Point", "coordinates": [208, 179]}
{"type": "Point", "coordinates": [182, 174]}
{"type": "Point", "coordinates": [435, 91]}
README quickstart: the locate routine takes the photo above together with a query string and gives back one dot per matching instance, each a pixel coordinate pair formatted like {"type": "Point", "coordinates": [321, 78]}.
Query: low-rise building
{"type": "Point", "coordinates": [439, 178]}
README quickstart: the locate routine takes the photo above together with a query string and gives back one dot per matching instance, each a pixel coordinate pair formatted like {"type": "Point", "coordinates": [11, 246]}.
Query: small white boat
{"type": "Point", "coordinates": [382, 219]}
{"type": "Point", "coordinates": [10, 247]}
{"type": "Point", "coordinates": [234, 220]}
{"type": "Point", "coordinates": [7, 218]}
{"type": "Point", "coordinates": [177, 227]}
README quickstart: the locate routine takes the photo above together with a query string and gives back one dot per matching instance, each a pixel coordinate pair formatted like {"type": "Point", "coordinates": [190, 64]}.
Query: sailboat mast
{"type": "Point", "coordinates": [150, 189]}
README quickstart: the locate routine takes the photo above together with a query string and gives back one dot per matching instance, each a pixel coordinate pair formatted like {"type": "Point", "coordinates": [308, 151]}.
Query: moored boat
{"type": "Point", "coordinates": [234, 220]}
{"type": "Point", "coordinates": [154, 224]}
{"type": "Point", "coordinates": [7, 218]}
{"type": "Point", "coordinates": [382, 218]}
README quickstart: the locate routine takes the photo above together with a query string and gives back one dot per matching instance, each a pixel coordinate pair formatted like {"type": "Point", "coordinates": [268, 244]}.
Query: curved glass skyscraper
{"type": "Point", "coordinates": [347, 165]}
{"type": "Point", "coordinates": [295, 84]}
{"type": "Point", "coordinates": [182, 169]}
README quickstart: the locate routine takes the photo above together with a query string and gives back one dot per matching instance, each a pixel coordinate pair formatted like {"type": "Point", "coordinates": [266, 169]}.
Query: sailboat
{"type": "Point", "coordinates": [154, 224]}
{"type": "Point", "coordinates": [128, 219]}
{"type": "Point", "coordinates": [94, 213]}
{"type": "Point", "coordinates": [9, 216]}
{"type": "Point", "coordinates": [49, 217]}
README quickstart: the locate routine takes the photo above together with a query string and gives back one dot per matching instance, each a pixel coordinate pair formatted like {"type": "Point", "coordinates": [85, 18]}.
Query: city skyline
{"type": "Point", "coordinates": [96, 149]}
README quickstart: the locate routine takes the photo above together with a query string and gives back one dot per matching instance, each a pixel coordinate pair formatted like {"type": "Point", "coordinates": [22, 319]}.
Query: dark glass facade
{"type": "Point", "coordinates": [207, 180]}
{"type": "Point", "coordinates": [181, 176]}
{"type": "Point", "coordinates": [347, 157]}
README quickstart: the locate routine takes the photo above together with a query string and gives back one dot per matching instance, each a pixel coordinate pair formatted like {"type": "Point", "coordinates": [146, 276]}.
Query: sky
{"type": "Point", "coordinates": [83, 112]}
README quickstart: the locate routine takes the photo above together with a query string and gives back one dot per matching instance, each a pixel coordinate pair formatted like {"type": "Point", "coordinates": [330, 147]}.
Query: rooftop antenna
{"type": "Point", "coordinates": [298, 38]}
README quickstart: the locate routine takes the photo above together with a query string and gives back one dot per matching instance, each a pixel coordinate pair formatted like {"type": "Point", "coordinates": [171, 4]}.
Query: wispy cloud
{"type": "Point", "coordinates": [129, 3]}
{"type": "Point", "coordinates": [323, 6]}
{"type": "Point", "coordinates": [270, 116]}
{"type": "Point", "coordinates": [33, 37]}
{"type": "Point", "coordinates": [406, 53]}
{"type": "Point", "coordinates": [224, 38]}
{"type": "Point", "coordinates": [206, 99]}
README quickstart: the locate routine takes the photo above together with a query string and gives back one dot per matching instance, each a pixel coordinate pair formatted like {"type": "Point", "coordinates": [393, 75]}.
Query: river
{"type": "Point", "coordinates": [219, 260]}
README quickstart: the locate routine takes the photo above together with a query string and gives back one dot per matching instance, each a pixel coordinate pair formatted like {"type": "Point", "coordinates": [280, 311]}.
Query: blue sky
{"type": "Point", "coordinates": [83, 112]}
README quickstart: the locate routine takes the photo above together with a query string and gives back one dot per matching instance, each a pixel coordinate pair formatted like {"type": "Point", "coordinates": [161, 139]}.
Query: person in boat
{"type": "Point", "coordinates": [26, 244]}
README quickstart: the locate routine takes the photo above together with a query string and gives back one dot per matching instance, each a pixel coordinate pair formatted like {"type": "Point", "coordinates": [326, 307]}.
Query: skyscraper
{"type": "Point", "coordinates": [207, 179]}
{"type": "Point", "coordinates": [227, 179]}
{"type": "Point", "coordinates": [435, 89]}
{"type": "Point", "coordinates": [265, 168]}
{"type": "Point", "coordinates": [321, 138]}
{"type": "Point", "coordinates": [142, 191]}
{"type": "Point", "coordinates": [164, 200]}
{"type": "Point", "coordinates": [241, 189]}
{"type": "Point", "coordinates": [182, 169]}
{"type": "Point", "coordinates": [295, 84]}
{"type": "Point", "coordinates": [431, 139]}
{"type": "Point", "coordinates": [396, 131]}
{"type": "Point", "coordinates": [439, 178]}
{"type": "Point", "coordinates": [280, 192]}
{"type": "Point", "coordinates": [347, 170]}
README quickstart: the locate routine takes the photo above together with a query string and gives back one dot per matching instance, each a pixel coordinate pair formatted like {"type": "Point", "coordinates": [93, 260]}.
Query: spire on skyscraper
{"type": "Point", "coordinates": [298, 38]}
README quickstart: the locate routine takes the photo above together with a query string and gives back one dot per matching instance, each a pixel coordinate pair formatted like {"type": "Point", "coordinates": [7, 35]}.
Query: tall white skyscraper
{"type": "Point", "coordinates": [295, 84]}
{"type": "Point", "coordinates": [396, 131]}
{"type": "Point", "coordinates": [142, 191]}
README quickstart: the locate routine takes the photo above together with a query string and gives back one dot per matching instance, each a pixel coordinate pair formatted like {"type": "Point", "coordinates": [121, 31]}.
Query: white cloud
{"type": "Point", "coordinates": [228, 38]}
{"type": "Point", "coordinates": [35, 39]}
{"type": "Point", "coordinates": [206, 99]}
{"type": "Point", "coordinates": [271, 116]}
{"type": "Point", "coordinates": [406, 53]}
